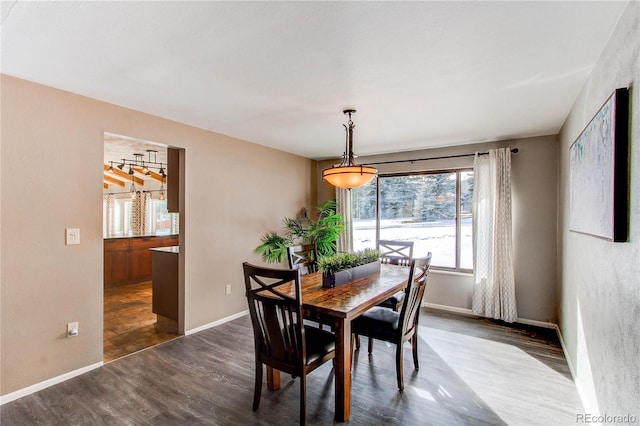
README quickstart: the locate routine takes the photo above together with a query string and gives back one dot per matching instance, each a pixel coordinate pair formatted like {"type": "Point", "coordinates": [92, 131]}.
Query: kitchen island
{"type": "Point", "coordinates": [164, 277]}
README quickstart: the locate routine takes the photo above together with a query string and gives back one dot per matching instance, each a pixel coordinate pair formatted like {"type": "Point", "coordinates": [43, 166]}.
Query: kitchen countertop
{"type": "Point", "coordinates": [171, 249]}
{"type": "Point", "coordinates": [158, 234]}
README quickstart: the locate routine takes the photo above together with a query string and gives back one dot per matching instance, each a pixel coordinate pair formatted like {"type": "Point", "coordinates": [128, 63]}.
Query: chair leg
{"type": "Point", "coordinates": [357, 341]}
{"type": "Point", "coordinates": [414, 344]}
{"type": "Point", "coordinates": [353, 339]}
{"type": "Point", "coordinates": [258, 386]}
{"type": "Point", "coordinates": [370, 344]}
{"type": "Point", "coordinates": [399, 367]}
{"type": "Point", "coordinates": [303, 399]}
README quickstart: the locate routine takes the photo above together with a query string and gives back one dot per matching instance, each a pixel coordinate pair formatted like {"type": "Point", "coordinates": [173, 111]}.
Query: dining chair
{"type": "Point", "coordinates": [303, 257]}
{"type": "Point", "coordinates": [395, 253]}
{"type": "Point", "coordinates": [398, 327]}
{"type": "Point", "coordinates": [282, 341]}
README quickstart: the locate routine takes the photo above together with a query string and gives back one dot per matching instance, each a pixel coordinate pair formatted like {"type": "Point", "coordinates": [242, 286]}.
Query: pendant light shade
{"type": "Point", "coordinates": [349, 177]}
{"type": "Point", "coordinates": [348, 174]}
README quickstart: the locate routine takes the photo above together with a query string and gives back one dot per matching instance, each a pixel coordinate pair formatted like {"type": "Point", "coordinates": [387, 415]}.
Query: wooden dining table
{"type": "Point", "coordinates": [338, 306]}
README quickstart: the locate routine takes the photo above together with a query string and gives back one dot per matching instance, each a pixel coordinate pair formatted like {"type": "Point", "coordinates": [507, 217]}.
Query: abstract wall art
{"type": "Point", "coordinates": [599, 172]}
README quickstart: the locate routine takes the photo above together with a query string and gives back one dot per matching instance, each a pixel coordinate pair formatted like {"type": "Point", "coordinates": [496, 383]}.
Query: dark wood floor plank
{"type": "Point", "coordinates": [473, 371]}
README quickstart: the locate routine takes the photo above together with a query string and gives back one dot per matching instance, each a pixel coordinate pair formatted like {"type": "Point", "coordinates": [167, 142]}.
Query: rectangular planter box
{"type": "Point", "coordinates": [348, 275]}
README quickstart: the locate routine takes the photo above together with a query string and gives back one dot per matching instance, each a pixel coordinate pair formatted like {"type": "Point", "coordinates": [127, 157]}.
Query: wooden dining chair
{"type": "Point", "coordinates": [398, 327]}
{"type": "Point", "coordinates": [282, 341]}
{"type": "Point", "coordinates": [303, 257]}
{"type": "Point", "coordinates": [395, 253]}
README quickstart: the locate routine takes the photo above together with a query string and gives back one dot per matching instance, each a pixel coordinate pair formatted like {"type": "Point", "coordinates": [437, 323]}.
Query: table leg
{"type": "Point", "coordinates": [273, 378]}
{"type": "Point", "coordinates": [343, 370]}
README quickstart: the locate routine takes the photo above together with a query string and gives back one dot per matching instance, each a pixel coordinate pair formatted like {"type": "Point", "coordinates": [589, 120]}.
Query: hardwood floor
{"type": "Point", "coordinates": [472, 371]}
{"type": "Point", "coordinates": [129, 321]}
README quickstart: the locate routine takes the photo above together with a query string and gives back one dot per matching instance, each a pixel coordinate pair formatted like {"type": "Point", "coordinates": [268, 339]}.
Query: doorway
{"type": "Point", "coordinates": [137, 226]}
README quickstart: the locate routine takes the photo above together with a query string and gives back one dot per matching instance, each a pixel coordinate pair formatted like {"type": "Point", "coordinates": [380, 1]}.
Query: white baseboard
{"type": "Point", "coordinates": [465, 311]}
{"type": "Point", "coordinates": [537, 323]}
{"type": "Point", "coordinates": [47, 383]}
{"type": "Point", "coordinates": [455, 309]}
{"type": "Point", "coordinates": [568, 358]}
{"type": "Point", "coordinates": [216, 323]}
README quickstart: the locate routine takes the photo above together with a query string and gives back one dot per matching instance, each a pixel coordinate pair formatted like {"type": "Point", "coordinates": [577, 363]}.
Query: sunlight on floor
{"type": "Point", "coordinates": [488, 368]}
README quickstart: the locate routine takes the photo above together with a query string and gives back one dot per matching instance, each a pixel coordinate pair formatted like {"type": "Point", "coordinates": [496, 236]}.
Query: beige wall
{"type": "Point", "coordinates": [51, 174]}
{"type": "Point", "coordinates": [534, 192]}
{"type": "Point", "coordinates": [600, 280]}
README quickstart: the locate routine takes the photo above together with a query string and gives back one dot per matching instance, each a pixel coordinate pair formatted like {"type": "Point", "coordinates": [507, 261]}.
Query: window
{"type": "Point", "coordinates": [118, 220]}
{"type": "Point", "coordinates": [431, 209]}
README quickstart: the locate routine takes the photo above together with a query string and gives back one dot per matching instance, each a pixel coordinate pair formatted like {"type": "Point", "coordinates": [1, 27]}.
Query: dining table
{"type": "Point", "coordinates": [338, 306]}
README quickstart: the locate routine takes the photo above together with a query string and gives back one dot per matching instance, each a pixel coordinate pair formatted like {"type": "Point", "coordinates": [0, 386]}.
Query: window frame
{"type": "Point", "coordinates": [458, 221]}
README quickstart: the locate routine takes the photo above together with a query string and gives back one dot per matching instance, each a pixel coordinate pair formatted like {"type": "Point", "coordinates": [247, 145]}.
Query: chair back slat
{"type": "Point", "coordinates": [276, 316]}
{"type": "Point", "coordinates": [304, 258]}
{"type": "Point", "coordinates": [418, 273]}
{"type": "Point", "coordinates": [395, 252]}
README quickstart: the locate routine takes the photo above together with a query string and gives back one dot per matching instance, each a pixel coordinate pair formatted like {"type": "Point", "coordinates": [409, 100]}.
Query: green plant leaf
{"type": "Point", "coordinates": [324, 232]}
{"type": "Point", "coordinates": [273, 248]}
{"type": "Point", "coordinates": [342, 261]}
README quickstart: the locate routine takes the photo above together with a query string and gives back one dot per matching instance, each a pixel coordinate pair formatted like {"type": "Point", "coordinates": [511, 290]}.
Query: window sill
{"type": "Point", "coordinates": [446, 272]}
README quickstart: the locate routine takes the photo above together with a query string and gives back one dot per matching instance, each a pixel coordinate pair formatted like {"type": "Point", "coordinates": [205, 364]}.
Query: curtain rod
{"type": "Point", "coordinates": [513, 150]}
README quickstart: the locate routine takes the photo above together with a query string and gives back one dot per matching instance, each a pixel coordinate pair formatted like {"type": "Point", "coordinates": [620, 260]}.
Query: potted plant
{"type": "Point", "coordinates": [323, 232]}
{"type": "Point", "coordinates": [345, 267]}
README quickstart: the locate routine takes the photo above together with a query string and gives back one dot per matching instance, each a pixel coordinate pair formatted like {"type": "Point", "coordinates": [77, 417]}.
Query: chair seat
{"type": "Point", "coordinates": [378, 322]}
{"type": "Point", "coordinates": [319, 343]}
{"type": "Point", "coordinates": [393, 301]}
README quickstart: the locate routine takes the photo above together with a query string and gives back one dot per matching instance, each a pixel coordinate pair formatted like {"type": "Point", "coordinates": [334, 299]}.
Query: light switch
{"type": "Point", "coordinates": [73, 236]}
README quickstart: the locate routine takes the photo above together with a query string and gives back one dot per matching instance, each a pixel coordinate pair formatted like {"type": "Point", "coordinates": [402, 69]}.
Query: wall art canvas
{"type": "Point", "coordinates": [599, 172]}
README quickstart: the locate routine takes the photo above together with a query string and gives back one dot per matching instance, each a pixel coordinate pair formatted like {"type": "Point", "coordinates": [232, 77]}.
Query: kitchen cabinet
{"type": "Point", "coordinates": [128, 260]}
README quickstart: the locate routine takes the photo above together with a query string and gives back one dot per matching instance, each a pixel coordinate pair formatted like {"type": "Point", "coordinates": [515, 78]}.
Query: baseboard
{"type": "Point", "coordinates": [216, 323]}
{"type": "Point", "coordinates": [469, 312]}
{"type": "Point", "coordinates": [455, 309]}
{"type": "Point", "coordinates": [47, 383]}
{"type": "Point", "coordinates": [537, 323]}
{"type": "Point", "coordinates": [568, 359]}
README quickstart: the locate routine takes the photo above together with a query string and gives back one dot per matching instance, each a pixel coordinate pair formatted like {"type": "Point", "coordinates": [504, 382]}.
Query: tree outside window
{"type": "Point", "coordinates": [431, 209]}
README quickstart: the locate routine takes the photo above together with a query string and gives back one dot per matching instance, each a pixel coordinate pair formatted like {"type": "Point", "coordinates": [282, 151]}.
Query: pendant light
{"type": "Point", "coordinates": [347, 174]}
{"type": "Point", "coordinates": [162, 192]}
{"type": "Point", "coordinates": [132, 191]}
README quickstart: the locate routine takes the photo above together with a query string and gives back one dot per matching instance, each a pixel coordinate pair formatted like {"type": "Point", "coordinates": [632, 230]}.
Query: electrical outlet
{"type": "Point", "coordinates": [227, 289]}
{"type": "Point", "coordinates": [72, 329]}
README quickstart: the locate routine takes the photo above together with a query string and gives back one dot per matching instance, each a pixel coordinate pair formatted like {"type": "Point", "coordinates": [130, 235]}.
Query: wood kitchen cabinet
{"type": "Point", "coordinates": [116, 260]}
{"type": "Point", "coordinates": [128, 260]}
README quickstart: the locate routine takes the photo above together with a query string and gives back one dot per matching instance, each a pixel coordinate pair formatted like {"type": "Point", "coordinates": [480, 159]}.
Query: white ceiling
{"type": "Point", "coordinates": [420, 74]}
{"type": "Point", "coordinates": [118, 148]}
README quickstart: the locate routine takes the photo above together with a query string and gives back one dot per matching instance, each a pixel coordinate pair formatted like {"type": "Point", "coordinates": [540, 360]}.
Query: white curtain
{"type": "Point", "coordinates": [149, 213]}
{"type": "Point", "coordinates": [109, 213]}
{"type": "Point", "coordinates": [137, 213]}
{"type": "Point", "coordinates": [175, 222]}
{"type": "Point", "coordinates": [343, 206]}
{"type": "Point", "coordinates": [494, 293]}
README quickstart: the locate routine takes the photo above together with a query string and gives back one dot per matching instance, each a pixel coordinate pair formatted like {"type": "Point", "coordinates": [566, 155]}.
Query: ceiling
{"type": "Point", "coordinates": [420, 74]}
{"type": "Point", "coordinates": [133, 154]}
